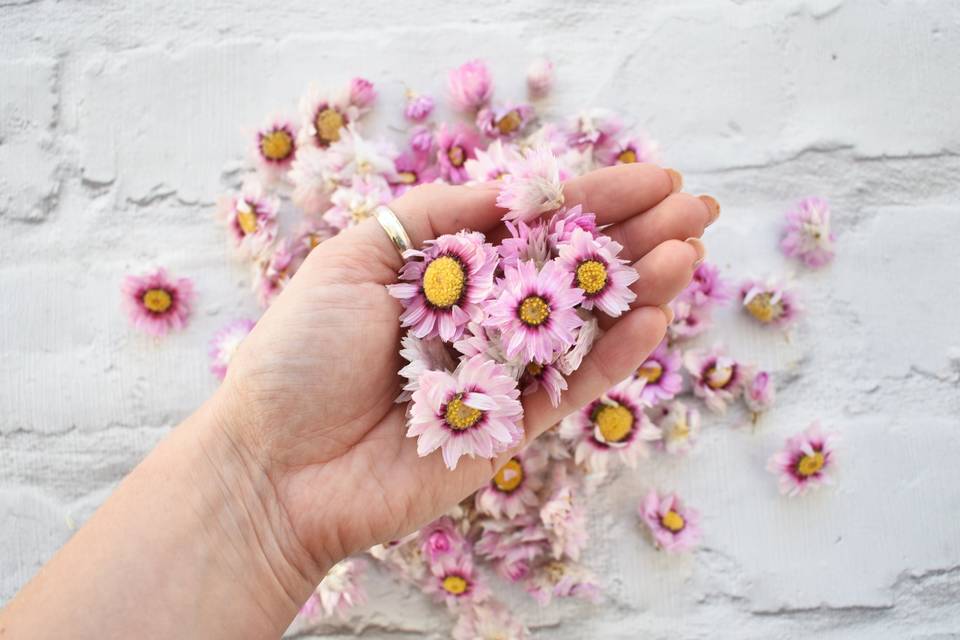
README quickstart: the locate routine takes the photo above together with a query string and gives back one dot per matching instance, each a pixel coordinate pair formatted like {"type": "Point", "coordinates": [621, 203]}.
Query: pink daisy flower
{"type": "Point", "coordinates": [276, 147]}
{"type": "Point", "coordinates": [156, 303]}
{"type": "Point", "coordinates": [225, 343]}
{"type": "Point", "coordinates": [470, 86]}
{"type": "Point", "coordinates": [488, 621]}
{"type": "Point", "coordinates": [604, 278]}
{"type": "Point", "coordinates": [455, 145]}
{"type": "Point", "coordinates": [312, 232]}
{"type": "Point", "coordinates": [418, 107]}
{"type": "Point", "coordinates": [441, 540]}
{"type": "Point", "coordinates": [717, 378]}
{"type": "Point", "coordinates": [526, 242]}
{"type": "Point", "coordinates": [514, 488]}
{"type": "Point", "coordinates": [492, 163]}
{"type": "Point", "coordinates": [674, 526]}
{"type": "Point", "coordinates": [539, 78]}
{"type": "Point", "coordinates": [362, 93]}
{"type": "Point", "coordinates": [679, 427]}
{"type": "Point", "coordinates": [611, 428]}
{"type": "Point", "coordinates": [565, 522]}
{"type": "Point", "coordinates": [769, 303]}
{"type": "Point", "coordinates": [689, 320]}
{"type": "Point", "coordinates": [324, 117]}
{"type": "Point", "coordinates": [759, 394]}
{"type": "Point", "coordinates": [562, 224]}
{"type": "Point", "coordinates": [562, 579]}
{"type": "Point", "coordinates": [474, 411]}
{"type": "Point", "coordinates": [533, 186]}
{"type": "Point", "coordinates": [586, 336]}
{"type": "Point", "coordinates": [507, 121]}
{"type": "Point", "coordinates": [456, 582]}
{"type": "Point", "coordinates": [536, 375]}
{"type": "Point", "coordinates": [706, 288]}
{"type": "Point", "coordinates": [444, 289]}
{"type": "Point", "coordinates": [422, 139]}
{"type": "Point", "coordinates": [313, 181]}
{"type": "Point", "coordinates": [430, 354]}
{"type": "Point", "coordinates": [536, 311]}
{"type": "Point", "coordinates": [251, 217]}
{"type": "Point", "coordinates": [338, 592]}
{"type": "Point", "coordinates": [353, 204]}
{"type": "Point", "coordinates": [808, 236]}
{"type": "Point", "coordinates": [514, 544]}
{"type": "Point", "coordinates": [412, 168]}
{"type": "Point", "coordinates": [806, 461]}
{"type": "Point", "coordinates": [273, 274]}
{"type": "Point", "coordinates": [627, 150]}
{"type": "Point", "coordinates": [353, 158]}
{"type": "Point", "coordinates": [596, 127]}
{"type": "Point", "coordinates": [659, 376]}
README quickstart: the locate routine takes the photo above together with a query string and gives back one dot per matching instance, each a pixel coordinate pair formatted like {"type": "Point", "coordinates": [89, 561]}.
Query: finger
{"type": "Point", "coordinates": [615, 356]}
{"type": "Point", "coordinates": [428, 211]}
{"type": "Point", "coordinates": [679, 217]}
{"type": "Point", "coordinates": [662, 274]}
{"type": "Point", "coordinates": [622, 191]}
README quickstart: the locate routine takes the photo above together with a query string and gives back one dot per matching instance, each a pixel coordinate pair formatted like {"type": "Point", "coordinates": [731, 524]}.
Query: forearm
{"type": "Point", "coordinates": [191, 545]}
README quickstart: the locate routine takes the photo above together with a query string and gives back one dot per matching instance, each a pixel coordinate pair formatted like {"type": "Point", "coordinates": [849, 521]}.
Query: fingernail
{"type": "Point", "coordinates": [676, 179]}
{"type": "Point", "coordinates": [667, 312]}
{"type": "Point", "coordinates": [713, 206]}
{"type": "Point", "coordinates": [699, 247]}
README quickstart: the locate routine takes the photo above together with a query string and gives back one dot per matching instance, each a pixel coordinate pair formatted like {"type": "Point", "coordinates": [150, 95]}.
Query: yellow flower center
{"type": "Point", "coordinates": [680, 430]}
{"type": "Point", "coordinates": [809, 465]}
{"type": "Point", "coordinates": [718, 377]}
{"type": "Point", "coordinates": [591, 276]}
{"type": "Point", "coordinates": [157, 300]}
{"type": "Point", "coordinates": [460, 416]}
{"type": "Point", "coordinates": [444, 281]}
{"type": "Point", "coordinates": [510, 122]}
{"type": "Point", "coordinates": [651, 371]}
{"type": "Point", "coordinates": [276, 145]}
{"type": "Point", "coordinates": [534, 369]}
{"type": "Point", "coordinates": [455, 585]}
{"type": "Point", "coordinates": [509, 477]}
{"type": "Point", "coordinates": [247, 221]}
{"type": "Point", "coordinates": [673, 521]}
{"type": "Point", "coordinates": [627, 156]}
{"type": "Point", "coordinates": [614, 421]}
{"type": "Point", "coordinates": [406, 177]}
{"type": "Point", "coordinates": [456, 156]}
{"type": "Point", "coordinates": [555, 571]}
{"type": "Point", "coordinates": [761, 307]}
{"type": "Point", "coordinates": [328, 124]}
{"type": "Point", "coordinates": [534, 311]}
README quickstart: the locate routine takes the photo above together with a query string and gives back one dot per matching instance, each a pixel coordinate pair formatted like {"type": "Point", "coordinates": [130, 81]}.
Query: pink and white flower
{"type": "Point", "coordinates": [489, 621]}
{"type": "Point", "coordinates": [323, 117]}
{"type": "Point", "coordinates": [455, 145]}
{"type": "Point", "coordinates": [562, 579]}
{"type": "Point", "coordinates": [474, 411]}
{"type": "Point", "coordinates": [689, 320]}
{"type": "Point", "coordinates": [565, 522]}
{"type": "Point", "coordinates": [275, 148]}
{"type": "Point", "coordinates": [338, 592]}
{"type": "Point", "coordinates": [659, 376]}
{"type": "Point", "coordinates": [679, 427]}
{"type": "Point", "coordinates": [806, 462]}
{"type": "Point", "coordinates": [225, 343]}
{"type": "Point", "coordinates": [444, 284]}
{"type": "Point", "coordinates": [412, 168]}
{"type": "Point", "coordinates": [470, 86]}
{"type": "Point", "coordinates": [456, 582]}
{"type": "Point", "coordinates": [706, 288]}
{"type": "Point", "coordinates": [362, 93]}
{"type": "Point", "coordinates": [313, 181]}
{"type": "Point", "coordinates": [251, 217]}
{"type": "Point", "coordinates": [769, 303]}
{"type": "Point", "coordinates": [627, 150]}
{"type": "Point", "coordinates": [492, 163]}
{"type": "Point", "coordinates": [442, 540]}
{"type": "Point", "coordinates": [157, 303]}
{"type": "Point", "coordinates": [808, 235]}
{"type": "Point", "coordinates": [674, 526]}
{"type": "Point", "coordinates": [563, 223]}
{"type": "Point", "coordinates": [548, 377]}
{"type": "Point", "coordinates": [351, 205]}
{"type": "Point", "coordinates": [536, 312]}
{"type": "Point", "coordinates": [508, 121]}
{"type": "Point", "coordinates": [514, 488]}
{"type": "Point", "coordinates": [526, 242]}
{"type": "Point", "coordinates": [274, 272]}
{"type": "Point", "coordinates": [533, 186]}
{"type": "Point", "coordinates": [539, 78]}
{"type": "Point", "coordinates": [418, 107]}
{"type": "Point", "coordinates": [717, 378]}
{"type": "Point", "coordinates": [429, 354]}
{"type": "Point", "coordinates": [611, 428]}
{"type": "Point", "coordinates": [604, 278]}
{"type": "Point", "coordinates": [759, 394]}
{"type": "Point", "coordinates": [352, 158]}
{"type": "Point", "coordinates": [594, 127]}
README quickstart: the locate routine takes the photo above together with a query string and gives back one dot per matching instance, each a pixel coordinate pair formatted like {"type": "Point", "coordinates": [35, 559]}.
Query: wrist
{"type": "Point", "coordinates": [241, 501]}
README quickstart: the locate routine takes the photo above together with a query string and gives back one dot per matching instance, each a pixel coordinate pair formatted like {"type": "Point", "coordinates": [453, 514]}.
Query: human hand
{"type": "Point", "coordinates": [309, 397]}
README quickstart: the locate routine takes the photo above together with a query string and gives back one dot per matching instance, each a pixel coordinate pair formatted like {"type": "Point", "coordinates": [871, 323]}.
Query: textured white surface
{"type": "Point", "coordinates": [120, 123]}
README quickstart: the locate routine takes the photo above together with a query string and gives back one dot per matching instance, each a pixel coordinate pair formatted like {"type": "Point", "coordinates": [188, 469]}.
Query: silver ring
{"type": "Point", "coordinates": [393, 228]}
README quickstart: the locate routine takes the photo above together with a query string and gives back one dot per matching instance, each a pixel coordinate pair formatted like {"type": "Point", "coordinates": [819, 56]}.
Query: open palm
{"type": "Point", "coordinates": [315, 382]}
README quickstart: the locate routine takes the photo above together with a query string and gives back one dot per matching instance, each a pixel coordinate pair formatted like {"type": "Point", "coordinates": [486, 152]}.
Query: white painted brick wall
{"type": "Point", "coordinates": [121, 122]}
